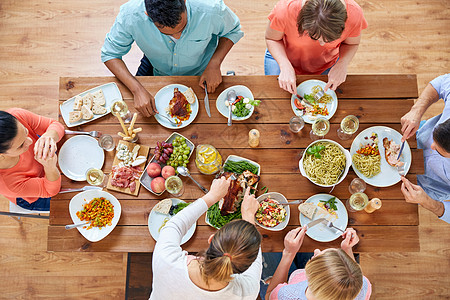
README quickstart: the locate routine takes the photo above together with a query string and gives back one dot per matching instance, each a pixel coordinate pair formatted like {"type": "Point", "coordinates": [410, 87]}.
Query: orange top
{"type": "Point", "coordinates": [305, 54]}
{"type": "Point", "coordinates": [27, 179]}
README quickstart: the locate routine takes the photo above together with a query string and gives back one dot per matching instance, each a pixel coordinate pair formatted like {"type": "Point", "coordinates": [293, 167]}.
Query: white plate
{"type": "Point", "coordinates": [240, 90]}
{"type": "Point", "coordinates": [155, 221]}
{"type": "Point", "coordinates": [162, 99]}
{"type": "Point", "coordinates": [388, 175]}
{"type": "Point", "coordinates": [146, 180]}
{"type": "Point", "coordinates": [280, 199]}
{"type": "Point", "coordinates": [111, 92]}
{"type": "Point", "coordinates": [348, 162]}
{"type": "Point", "coordinates": [306, 88]}
{"type": "Point", "coordinates": [94, 234]}
{"type": "Point", "coordinates": [78, 154]}
{"type": "Point", "coordinates": [236, 158]}
{"type": "Point", "coordinates": [321, 232]}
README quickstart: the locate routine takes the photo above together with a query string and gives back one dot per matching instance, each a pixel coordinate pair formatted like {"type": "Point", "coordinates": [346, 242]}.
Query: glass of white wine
{"type": "Point", "coordinates": [95, 176]}
{"type": "Point", "coordinates": [119, 107]}
{"type": "Point", "coordinates": [357, 202]}
{"type": "Point", "coordinates": [349, 125]}
{"type": "Point", "coordinates": [174, 185]}
{"type": "Point", "coordinates": [320, 128]}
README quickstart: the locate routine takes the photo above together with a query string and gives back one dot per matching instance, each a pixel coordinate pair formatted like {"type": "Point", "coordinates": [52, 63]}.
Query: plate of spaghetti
{"type": "Point", "coordinates": [309, 108]}
{"type": "Point", "coordinates": [325, 163]}
{"type": "Point", "coordinates": [369, 156]}
{"type": "Point", "coordinates": [177, 102]}
{"type": "Point", "coordinates": [101, 209]}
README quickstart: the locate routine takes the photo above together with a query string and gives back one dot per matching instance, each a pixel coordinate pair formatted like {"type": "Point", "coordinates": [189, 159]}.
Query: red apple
{"type": "Point", "coordinates": [158, 185]}
{"type": "Point", "coordinates": [154, 170]}
{"type": "Point", "coordinates": [168, 171]}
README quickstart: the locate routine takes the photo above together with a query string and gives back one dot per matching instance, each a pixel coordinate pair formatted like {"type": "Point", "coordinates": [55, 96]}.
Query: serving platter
{"type": "Point", "coordinates": [389, 174]}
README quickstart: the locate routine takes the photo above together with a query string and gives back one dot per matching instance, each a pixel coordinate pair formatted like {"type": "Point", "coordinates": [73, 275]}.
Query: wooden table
{"type": "Point", "coordinates": [375, 99]}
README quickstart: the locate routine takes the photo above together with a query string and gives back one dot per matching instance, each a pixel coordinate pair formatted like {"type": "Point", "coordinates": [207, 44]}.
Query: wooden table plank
{"type": "Point", "coordinates": [136, 212]}
{"type": "Point", "coordinates": [273, 136]}
{"type": "Point", "coordinates": [138, 239]}
{"type": "Point", "coordinates": [273, 111]}
{"type": "Point", "coordinates": [355, 86]}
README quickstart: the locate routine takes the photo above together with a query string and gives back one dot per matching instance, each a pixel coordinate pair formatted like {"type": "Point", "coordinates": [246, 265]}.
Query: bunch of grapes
{"type": "Point", "coordinates": [163, 151]}
{"type": "Point", "coordinates": [180, 155]}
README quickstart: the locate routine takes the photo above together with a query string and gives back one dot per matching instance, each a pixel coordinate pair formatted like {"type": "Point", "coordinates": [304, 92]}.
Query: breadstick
{"type": "Point", "coordinates": [122, 124]}
{"type": "Point", "coordinates": [121, 134]}
{"type": "Point", "coordinates": [129, 131]}
{"type": "Point", "coordinates": [136, 130]}
{"type": "Point", "coordinates": [127, 138]}
{"type": "Point", "coordinates": [133, 120]}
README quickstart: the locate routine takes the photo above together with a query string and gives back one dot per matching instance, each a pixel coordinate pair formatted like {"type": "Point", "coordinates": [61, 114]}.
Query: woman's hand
{"type": "Point", "coordinates": [48, 163]}
{"type": "Point", "coordinates": [294, 240]}
{"type": "Point", "coordinates": [249, 207]}
{"type": "Point", "coordinates": [218, 190]}
{"type": "Point", "coordinates": [45, 147]}
{"type": "Point", "coordinates": [350, 239]}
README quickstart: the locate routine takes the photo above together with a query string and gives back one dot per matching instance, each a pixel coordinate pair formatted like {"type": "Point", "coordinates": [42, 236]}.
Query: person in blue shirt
{"type": "Point", "coordinates": [178, 37]}
{"type": "Point", "coordinates": [433, 189]}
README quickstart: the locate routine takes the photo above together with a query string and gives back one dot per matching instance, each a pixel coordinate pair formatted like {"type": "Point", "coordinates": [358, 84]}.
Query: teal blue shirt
{"type": "Point", "coordinates": [207, 22]}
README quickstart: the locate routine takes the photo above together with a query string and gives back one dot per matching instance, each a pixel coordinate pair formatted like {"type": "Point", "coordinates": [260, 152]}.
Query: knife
{"type": "Point", "coordinates": [314, 223]}
{"type": "Point", "coordinates": [401, 150]}
{"type": "Point", "coordinates": [85, 188]}
{"type": "Point", "coordinates": [207, 100]}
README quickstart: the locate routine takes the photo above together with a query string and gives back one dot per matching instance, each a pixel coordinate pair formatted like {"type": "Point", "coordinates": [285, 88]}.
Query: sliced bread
{"type": "Point", "coordinates": [86, 112]}
{"type": "Point", "coordinates": [190, 95]}
{"type": "Point", "coordinates": [307, 209]}
{"type": "Point", "coordinates": [77, 103]}
{"type": "Point", "coordinates": [163, 206]}
{"type": "Point", "coordinates": [74, 116]}
{"type": "Point", "coordinates": [99, 97]}
{"type": "Point", "coordinates": [88, 100]}
{"type": "Point", "coordinates": [98, 109]}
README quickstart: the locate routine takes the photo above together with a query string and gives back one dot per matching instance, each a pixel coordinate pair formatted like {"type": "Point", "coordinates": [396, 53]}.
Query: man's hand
{"type": "Point", "coordinates": [336, 76]}
{"type": "Point", "coordinates": [294, 240]}
{"type": "Point", "coordinates": [414, 193]}
{"type": "Point", "coordinates": [211, 76]}
{"type": "Point", "coordinates": [144, 102]}
{"type": "Point", "coordinates": [45, 147]}
{"type": "Point", "coordinates": [249, 207]}
{"type": "Point", "coordinates": [410, 123]}
{"type": "Point", "coordinates": [287, 79]}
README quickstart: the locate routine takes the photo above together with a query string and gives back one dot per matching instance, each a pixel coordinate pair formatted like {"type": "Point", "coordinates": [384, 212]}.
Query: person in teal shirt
{"type": "Point", "coordinates": [178, 37]}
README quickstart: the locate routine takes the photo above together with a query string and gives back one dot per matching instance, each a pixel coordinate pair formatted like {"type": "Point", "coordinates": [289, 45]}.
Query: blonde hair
{"type": "Point", "coordinates": [333, 275]}
{"type": "Point", "coordinates": [322, 19]}
{"type": "Point", "coordinates": [232, 250]}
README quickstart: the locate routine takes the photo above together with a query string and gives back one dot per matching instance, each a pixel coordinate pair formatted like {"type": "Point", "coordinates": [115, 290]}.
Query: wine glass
{"type": "Point", "coordinates": [119, 107]}
{"type": "Point", "coordinates": [357, 202]}
{"type": "Point", "coordinates": [296, 124]}
{"type": "Point", "coordinates": [95, 177]}
{"type": "Point", "coordinates": [106, 142]}
{"type": "Point", "coordinates": [349, 125]}
{"type": "Point", "coordinates": [174, 185]}
{"type": "Point", "coordinates": [320, 128]}
{"type": "Point", "coordinates": [357, 186]}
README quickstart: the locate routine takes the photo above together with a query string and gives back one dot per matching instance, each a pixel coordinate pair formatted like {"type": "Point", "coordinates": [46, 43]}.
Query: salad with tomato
{"type": "Point", "coordinates": [241, 106]}
{"type": "Point", "coordinates": [270, 213]}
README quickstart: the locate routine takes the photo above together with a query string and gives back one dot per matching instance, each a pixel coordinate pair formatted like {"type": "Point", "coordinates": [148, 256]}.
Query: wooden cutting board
{"type": "Point", "coordinates": [143, 151]}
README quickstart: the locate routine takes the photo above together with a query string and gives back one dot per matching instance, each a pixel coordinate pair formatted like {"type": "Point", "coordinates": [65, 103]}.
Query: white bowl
{"type": "Point", "coordinates": [280, 199]}
{"type": "Point", "coordinates": [240, 90]}
{"type": "Point", "coordinates": [348, 162]}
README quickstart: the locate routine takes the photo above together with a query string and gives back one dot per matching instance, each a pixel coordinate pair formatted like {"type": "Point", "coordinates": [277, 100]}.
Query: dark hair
{"type": "Point", "coordinates": [322, 19]}
{"type": "Point", "coordinates": [8, 130]}
{"type": "Point", "coordinates": [232, 250]}
{"type": "Point", "coordinates": [441, 135]}
{"type": "Point", "coordinates": [166, 13]}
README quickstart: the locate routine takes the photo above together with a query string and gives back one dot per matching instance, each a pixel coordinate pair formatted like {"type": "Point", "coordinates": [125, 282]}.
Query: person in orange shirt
{"type": "Point", "coordinates": [312, 37]}
{"type": "Point", "coordinates": [28, 172]}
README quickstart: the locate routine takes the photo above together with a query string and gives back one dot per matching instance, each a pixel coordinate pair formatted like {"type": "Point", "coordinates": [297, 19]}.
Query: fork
{"type": "Point", "coordinates": [94, 133]}
{"type": "Point", "coordinates": [401, 170]}
{"type": "Point", "coordinates": [170, 120]}
{"type": "Point", "coordinates": [319, 94]}
{"type": "Point", "coordinates": [330, 225]}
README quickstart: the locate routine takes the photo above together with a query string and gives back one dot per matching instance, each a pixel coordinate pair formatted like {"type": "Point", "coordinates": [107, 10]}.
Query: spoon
{"type": "Point", "coordinates": [185, 172]}
{"type": "Point", "coordinates": [71, 226]}
{"type": "Point", "coordinates": [231, 96]}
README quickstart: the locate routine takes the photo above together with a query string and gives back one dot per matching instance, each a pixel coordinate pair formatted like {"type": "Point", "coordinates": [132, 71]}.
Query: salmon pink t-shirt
{"type": "Point", "coordinates": [306, 55]}
{"type": "Point", "coordinates": [27, 179]}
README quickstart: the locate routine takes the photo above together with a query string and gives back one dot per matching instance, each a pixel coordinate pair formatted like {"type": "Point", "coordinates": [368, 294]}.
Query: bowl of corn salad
{"type": "Point", "coordinates": [271, 214]}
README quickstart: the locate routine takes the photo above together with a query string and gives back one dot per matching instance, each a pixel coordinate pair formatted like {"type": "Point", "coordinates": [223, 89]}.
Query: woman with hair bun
{"type": "Point", "coordinates": [229, 269]}
{"type": "Point", "coordinates": [331, 274]}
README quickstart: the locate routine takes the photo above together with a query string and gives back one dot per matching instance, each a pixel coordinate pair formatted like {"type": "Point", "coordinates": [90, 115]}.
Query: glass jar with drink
{"type": "Point", "coordinates": [357, 202]}
{"type": "Point", "coordinates": [349, 125]}
{"type": "Point", "coordinates": [174, 185]}
{"type": "Point", "coordinates": [95, 176]}
{"type": "Point", "coordinates": [208, 160]}
{"type": "Point", "coordinates": [320, 128]}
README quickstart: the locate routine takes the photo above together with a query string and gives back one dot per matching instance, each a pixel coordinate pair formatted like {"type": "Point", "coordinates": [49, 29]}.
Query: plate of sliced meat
{"type": "Point", "coordinates": [246, 175]}
{"type": "Point", "coordinates": [177, 102]}
{"type": "Point", "coordinates": [374, 156]}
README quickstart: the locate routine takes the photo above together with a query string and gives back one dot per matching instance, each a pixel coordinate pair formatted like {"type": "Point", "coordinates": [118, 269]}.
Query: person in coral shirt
{"type": "Point", "coordinates": [312, 37]}
{"type": "Point", "coordinates": [28, 172]}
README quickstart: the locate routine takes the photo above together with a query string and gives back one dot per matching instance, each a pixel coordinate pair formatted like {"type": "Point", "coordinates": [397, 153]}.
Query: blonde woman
{"type": "Point", "coordinates": [331, 274]}
{"type": "Point", "coordinates": [229, 269]}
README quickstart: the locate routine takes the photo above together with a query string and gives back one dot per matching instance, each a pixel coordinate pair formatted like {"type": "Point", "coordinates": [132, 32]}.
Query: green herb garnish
{"type": "Point", "coordinates": [330, 204]}
{"type": "Point", "coordinates": [315, 150]}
